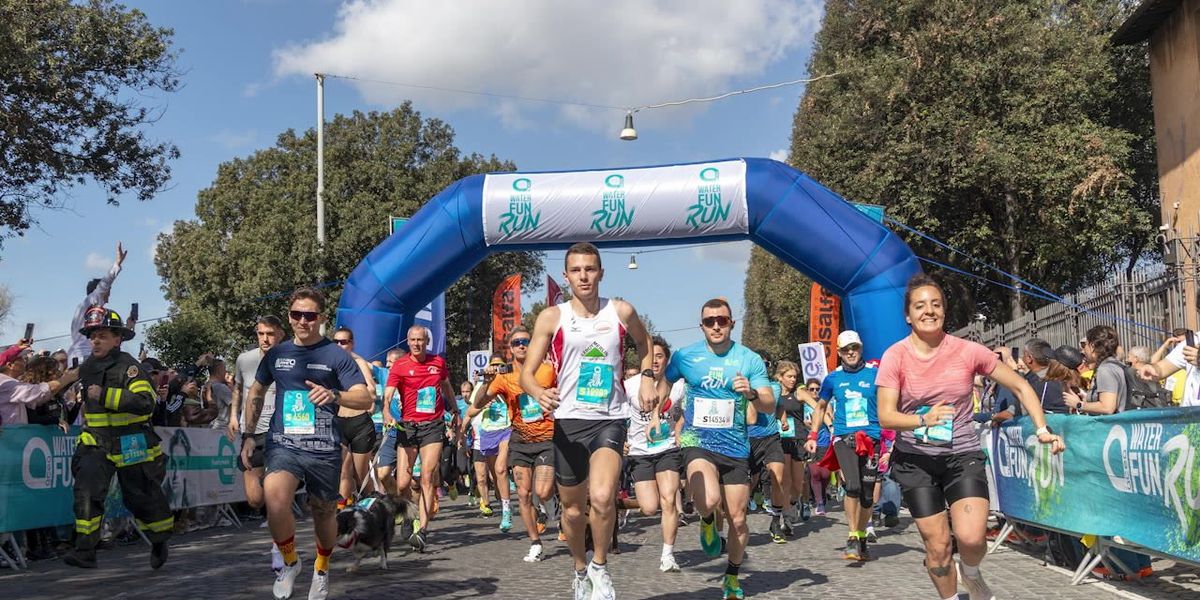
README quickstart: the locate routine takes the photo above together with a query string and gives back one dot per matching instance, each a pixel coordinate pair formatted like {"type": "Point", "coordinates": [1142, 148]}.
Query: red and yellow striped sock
{"type": "Point", "coordinates": [322, 564]}
{"type": "Point", "coordinates": [288, 549]}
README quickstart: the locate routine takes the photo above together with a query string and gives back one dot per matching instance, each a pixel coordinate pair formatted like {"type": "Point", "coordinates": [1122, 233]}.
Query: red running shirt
{"type": "Point", "coordinates": [420, 387]}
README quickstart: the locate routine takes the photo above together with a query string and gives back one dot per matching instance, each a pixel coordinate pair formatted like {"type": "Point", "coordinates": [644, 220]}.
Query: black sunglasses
{"type": "Point", "coordinates": [519, 342]}
{"type": "Point", "coordinates": [303, 315]}
{"type": "Point", "coordinates": [719, 321]}
{"type": "Point", "coordinates": [340, 342]}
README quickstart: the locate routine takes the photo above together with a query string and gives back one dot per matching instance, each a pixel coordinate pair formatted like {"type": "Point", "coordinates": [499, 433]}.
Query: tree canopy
{"type": "Point", "coordinates": [1010, 129]}
{"type": "Point", "coordinates": [72, 76]}
{"type": "Point", "coordinates": [254, 236]}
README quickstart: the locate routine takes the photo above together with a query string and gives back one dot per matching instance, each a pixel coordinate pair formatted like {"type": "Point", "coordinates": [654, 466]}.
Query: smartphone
{"type": "Point", "coordinates": [133, 312]}
{"type": "Point", "coordinates": [1191, 337]}
{"type": "Point", "coordinates": [28, 332]}
{"type": "Point", "coordinates": [1016, 353]}
{"type": "Point", "coordinates": [75, 363]}
{"type": "Point", "coordinates": [504, 369]}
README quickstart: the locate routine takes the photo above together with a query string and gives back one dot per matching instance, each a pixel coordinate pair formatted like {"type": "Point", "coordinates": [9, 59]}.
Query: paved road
{"type": "Point", "coordinates": [469, 557]}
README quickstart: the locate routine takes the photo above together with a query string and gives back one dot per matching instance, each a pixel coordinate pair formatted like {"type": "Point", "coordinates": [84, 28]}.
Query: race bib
{"type": "Point", "coordinates": [133, 448]}
{"type": "Point", "coordinates": [531, 411]}
{"type": "Point", "coordinates": [595, 384]}
{"type": "Point", "coordinates": [713, 413]}
{"type": "Point", "coordinates": [938, 435]}
{"type": "Point", "coordinates": [495, 416]}
{"type": "Point", "coordinates": [856, 410]}
{"type": "Point", "coordinates": [299, 415]}
{"type": "Point", "coordinates": [427, 400]}
{"type": "Point", "coordinates": [659, 436]}
{"type": "Point", "coordinates": [790, 432]}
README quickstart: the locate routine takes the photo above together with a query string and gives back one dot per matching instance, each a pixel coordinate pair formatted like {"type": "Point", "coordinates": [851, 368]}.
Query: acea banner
{"type": "Point", "coordinates": [1135, 475]}
{"type": "Point", "coordinates": [679, 201]}
{"type": "Point", "coordinates": [36, 480]}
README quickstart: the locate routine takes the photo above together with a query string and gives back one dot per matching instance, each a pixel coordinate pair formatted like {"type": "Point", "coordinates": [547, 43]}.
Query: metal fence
{"type": "Point", "coordinates": [1142, 307]}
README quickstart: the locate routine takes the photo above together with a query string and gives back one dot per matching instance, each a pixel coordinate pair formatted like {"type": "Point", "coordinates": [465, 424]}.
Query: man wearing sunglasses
{"type": "Point", "coordinates": [423, 382]}
{"type": "Point", "coordinates": [727, 386]}
{"type": "Point", "coordinates": [312, 378]}
{"type": "Point", "coordinates": [356, 427]}
{"type": "Point", "coordinates": [584, 339]}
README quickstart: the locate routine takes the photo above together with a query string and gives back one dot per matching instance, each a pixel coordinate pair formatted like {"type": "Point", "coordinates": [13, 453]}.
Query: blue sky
{"type": "Point", "coordinates": [247, 69]}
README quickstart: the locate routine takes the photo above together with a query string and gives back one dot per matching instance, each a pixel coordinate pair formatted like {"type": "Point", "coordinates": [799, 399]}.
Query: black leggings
{"type": "Point", "coordinates": [858, 472]}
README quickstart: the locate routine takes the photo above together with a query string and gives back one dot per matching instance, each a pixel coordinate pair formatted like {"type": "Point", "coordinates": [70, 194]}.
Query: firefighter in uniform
{"type": "Point", "coordinates": [117, 438]}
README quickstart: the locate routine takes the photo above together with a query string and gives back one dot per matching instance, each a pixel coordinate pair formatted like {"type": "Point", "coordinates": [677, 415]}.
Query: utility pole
{"type": "Point", "coordinates": [320, 161]}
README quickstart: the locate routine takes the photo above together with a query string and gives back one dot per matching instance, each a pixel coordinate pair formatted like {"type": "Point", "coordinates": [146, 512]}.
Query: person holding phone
{"type": "Point", "coordinates": [925, 383]}
{"type": "Point", "coordinates": [492, 422]}
{"type": "Point", "coordinates": [1181, 358]}
{"type": "Point", "coordinates": [16, 396]}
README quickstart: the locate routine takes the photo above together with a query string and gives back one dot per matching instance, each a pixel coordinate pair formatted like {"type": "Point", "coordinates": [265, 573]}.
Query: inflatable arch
{"type": "Point", "coordinates": [780, 209]}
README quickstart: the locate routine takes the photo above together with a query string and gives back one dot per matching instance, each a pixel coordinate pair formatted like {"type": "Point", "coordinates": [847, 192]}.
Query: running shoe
{"type": "Point", "coordinates": [805, 511]}
{"type": "Point", "coordinates": [891, 520]}
{"type": "Point", "coordinates": [757, 499]}
{"type": "Point", "coordinates": [535, 553]}
{"type": "Point", "coordinates": [158, 554]}
{"type": "Point", "coordinates": [753, 504]}
{"type": "Point", "coordinates": [286, 580]}
{"type": "Point", "coordinates": [485, 510]}
{"type": "Point", "coordinates": [541, 520]}
{"type": "Point", "coordinates": [852, 552]}
{"type": "Point", "coordinates": [787, 528]}
{"type": "Point", "coordinates": [623, 519]}
{"type": "Point", "coordinates": [710, 540]}
{"type": "Point", "coordinates": [602, 587]}
{"type": "Point", "coordinates": [689, 508]}
{"type": "Point", "coordinates": [453, 492]}
{"type": "Point", "coordinates": [668, 564]}
{"type": "Point", "coordinates": [820, 512]}
{"type": "Point", "coordinates": [276, 559]}
{"type": "Point", "coordinates": [876, 519]}
{"type": "Point", "coordinates": [582, 586]}
{"type": "Point", "coordinates": [731, 589]}
{"type": "Point", "coordinates": [506, 521]}
{"type": "Point", "coordinates": [417, 541]}
{"type": "Point", "coordinates": [776, 530]}
{"type": "Point", "coordinates": [319, 590]}
{"type": "Point", "coordinates": [977, 588]}
{"type": "Point", "coordinates": [864, 554]}
{"type": "Point", "coordinates": [871, 537]}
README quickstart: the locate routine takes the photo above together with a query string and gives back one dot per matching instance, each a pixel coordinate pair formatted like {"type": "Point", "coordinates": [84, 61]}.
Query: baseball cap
{"type": "Point", "coordinates": [1069, 356]}
{"type": "Point", "coordinates": [847, 338]}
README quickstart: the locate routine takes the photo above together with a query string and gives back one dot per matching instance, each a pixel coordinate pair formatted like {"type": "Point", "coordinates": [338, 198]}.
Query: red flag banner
{"type": "Point", "coordinates": [824, 321]}
{"type": "Point", "coordinates": [506, 311]}
{"type": "Point", "coordinates": [554, 295]}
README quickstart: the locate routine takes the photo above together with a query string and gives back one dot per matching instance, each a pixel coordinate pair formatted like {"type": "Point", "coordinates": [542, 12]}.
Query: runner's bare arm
{"type": "Point", "coordinates": [539, 345]}
{"type": "Point", "coordinates": [448, 394]}
{"type": "Point", "coordinates": [368, 376]}
{"type": "Point", "coordinates": [235, 409]}
{"type": "Point", "coordinates": [648, 395]}
{"type": "Point", "coordinates": [254, 403]}
{"type": "Point", "coordinates": [358, 397]}
{"type": "Point", "coordinates": [1020, 388]}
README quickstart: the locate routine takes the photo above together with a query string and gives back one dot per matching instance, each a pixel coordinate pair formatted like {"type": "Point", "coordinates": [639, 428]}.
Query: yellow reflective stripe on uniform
{"type": "Point", "coordinates": [112, 398]}
{"type": "Point", "coordinates": [141, 387]}
{"type": "Point", "coordinates": [87, 526]}
{"type": "Point", "coordinates": [113, 419]}
{"type": "Point", "coordinates": [157, 526]}
{"type": "Point", "coordinates": [151, 454]}
{"type": "Point", "coordinates": [87, 439]}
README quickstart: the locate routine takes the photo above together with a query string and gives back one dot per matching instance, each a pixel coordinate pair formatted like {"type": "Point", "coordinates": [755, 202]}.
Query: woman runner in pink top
{"type": "Point", "coordinates": [924, 384]}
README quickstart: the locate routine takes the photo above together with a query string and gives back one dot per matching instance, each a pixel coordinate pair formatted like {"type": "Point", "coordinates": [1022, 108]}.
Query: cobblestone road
{"type": "Point", "coordinates": [469, 557]}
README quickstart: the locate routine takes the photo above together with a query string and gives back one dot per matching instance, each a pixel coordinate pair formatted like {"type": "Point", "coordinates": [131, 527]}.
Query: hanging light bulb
{"type": "Point", "coordinates": [633, 262]}
{"type": "Point", "coordinates": [629, 133]}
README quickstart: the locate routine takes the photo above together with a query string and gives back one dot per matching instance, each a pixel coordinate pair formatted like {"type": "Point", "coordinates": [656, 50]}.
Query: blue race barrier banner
{"type": "Point", "coordinates": [1135, 475]}
{"type": "Point", "coordinates": [36, 480]}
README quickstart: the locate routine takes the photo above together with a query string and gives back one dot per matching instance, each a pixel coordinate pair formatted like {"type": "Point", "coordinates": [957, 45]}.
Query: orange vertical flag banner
{"type": "Point", "coordinates": [506, 311]}
{"type": "Point", "coordinates": [824, 321]}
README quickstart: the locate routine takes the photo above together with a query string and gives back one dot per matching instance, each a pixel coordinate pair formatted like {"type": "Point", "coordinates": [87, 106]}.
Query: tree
{"type": "Point", "coordinates": [1001, 128]}
{"type": "Point", "coordinates": [776, 297]}
{"type": "Point", "coordinates": [6, 303]}
{"type": "Point", "coordinates": [183, 337]}
{"type": "Point", "coordinates": [71, 76]}
{"type": "Point", "coordinates": [254, 239]}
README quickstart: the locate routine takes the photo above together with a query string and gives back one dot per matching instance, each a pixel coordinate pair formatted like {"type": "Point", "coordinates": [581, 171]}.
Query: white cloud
{"type": "Point", "coordinates": [731, 252]}
{"type": "Point", "coordinates": [97, 262]}
{"type": "Point", "coordinates": [619, 53]}
{"type": "Point", "coordinates": [780, 155]}
{"type": "Point", "coordinates": [233, 140]}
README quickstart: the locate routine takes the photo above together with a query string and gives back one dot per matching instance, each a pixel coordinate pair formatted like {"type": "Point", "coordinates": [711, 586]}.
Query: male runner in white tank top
{"type": "Point", "coordinates": [583, 340]}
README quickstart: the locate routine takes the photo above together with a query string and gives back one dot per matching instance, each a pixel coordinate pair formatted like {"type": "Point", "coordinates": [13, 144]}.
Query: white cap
{"type": "Point", "coordinates": [848, 337]}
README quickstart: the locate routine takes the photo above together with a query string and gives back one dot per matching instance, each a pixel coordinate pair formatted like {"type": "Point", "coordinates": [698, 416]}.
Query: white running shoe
{"type": "Point", "coordinates": [276, 559]}
{"type": "Point", "coordinates": [977, 588]}
{"type": "Point", "coordinates": [286, 580]}
{"type": "Point", "coordinates": [602, 587]}
{"type": "Point", "coordinates": [319, 590]}
{"type": "Point", "coordinates": [535, 553]}
{"type": "Point", "coordinates": [582, 586]}
{"type": "Point", "coordinates": [668, 564]}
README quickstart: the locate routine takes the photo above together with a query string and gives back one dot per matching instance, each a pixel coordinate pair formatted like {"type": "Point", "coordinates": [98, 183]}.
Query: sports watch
{"type": "Point", "coordinates": [648, 373]}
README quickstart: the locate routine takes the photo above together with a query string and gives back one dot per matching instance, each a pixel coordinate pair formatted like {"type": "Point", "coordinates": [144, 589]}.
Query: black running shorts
{"type": "Point", "coordinates": [576, 439]}
{"type": "Point", "coordinates": [933, 483]}
{"type": "Point", "coordinates": [358, 433]}
{"type": "Point", "coordinates": [647, 468]}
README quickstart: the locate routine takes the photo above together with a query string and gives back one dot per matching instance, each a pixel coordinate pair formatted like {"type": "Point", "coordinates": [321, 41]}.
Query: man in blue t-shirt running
{"type": "Point", "coordinates": [852, 389]}
{"type": "Point", "coordinates": [312, 378]}
{"type": "Point", "coordinates": [727, 387]}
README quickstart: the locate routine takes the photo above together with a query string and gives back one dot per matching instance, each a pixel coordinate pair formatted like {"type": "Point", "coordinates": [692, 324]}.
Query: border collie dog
{"type": "Point", "coordinates": [368, 526]}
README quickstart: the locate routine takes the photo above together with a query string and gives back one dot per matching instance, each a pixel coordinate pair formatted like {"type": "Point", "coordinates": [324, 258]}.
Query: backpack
{"type": "Point", "coordinates": [1142, 394]}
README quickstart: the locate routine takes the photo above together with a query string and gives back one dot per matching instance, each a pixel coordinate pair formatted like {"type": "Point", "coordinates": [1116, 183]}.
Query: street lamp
{"type": "Point", "coordinates": [629, 134]}
{"type": "Point", "coordinates": [632, 262]}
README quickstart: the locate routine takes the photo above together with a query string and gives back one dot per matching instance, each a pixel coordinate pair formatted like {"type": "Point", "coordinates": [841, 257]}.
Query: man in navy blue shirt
{"type": "Point", "coordinates": [312, 378]}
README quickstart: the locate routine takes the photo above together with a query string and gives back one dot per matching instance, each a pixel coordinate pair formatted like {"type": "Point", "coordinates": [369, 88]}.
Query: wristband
{"type": "Point", "coordinates": [247, 436]}
{"type": "Point", "coordinates": [813, 435]}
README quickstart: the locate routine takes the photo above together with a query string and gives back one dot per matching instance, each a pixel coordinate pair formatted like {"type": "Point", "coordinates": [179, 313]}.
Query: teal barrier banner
{"type": "Point", "coordinates": [1135, 475]}
{"type": "Point", "coordinates": [36, 480]}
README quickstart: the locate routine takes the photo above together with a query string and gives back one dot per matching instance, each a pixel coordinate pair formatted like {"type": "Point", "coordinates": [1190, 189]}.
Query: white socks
{"type": "Point", "coordinates": [968, 570]}
{"type": "Point", "coordinates": [504, 506]}
{"type": "Point", "coordinates": [668, 550]}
